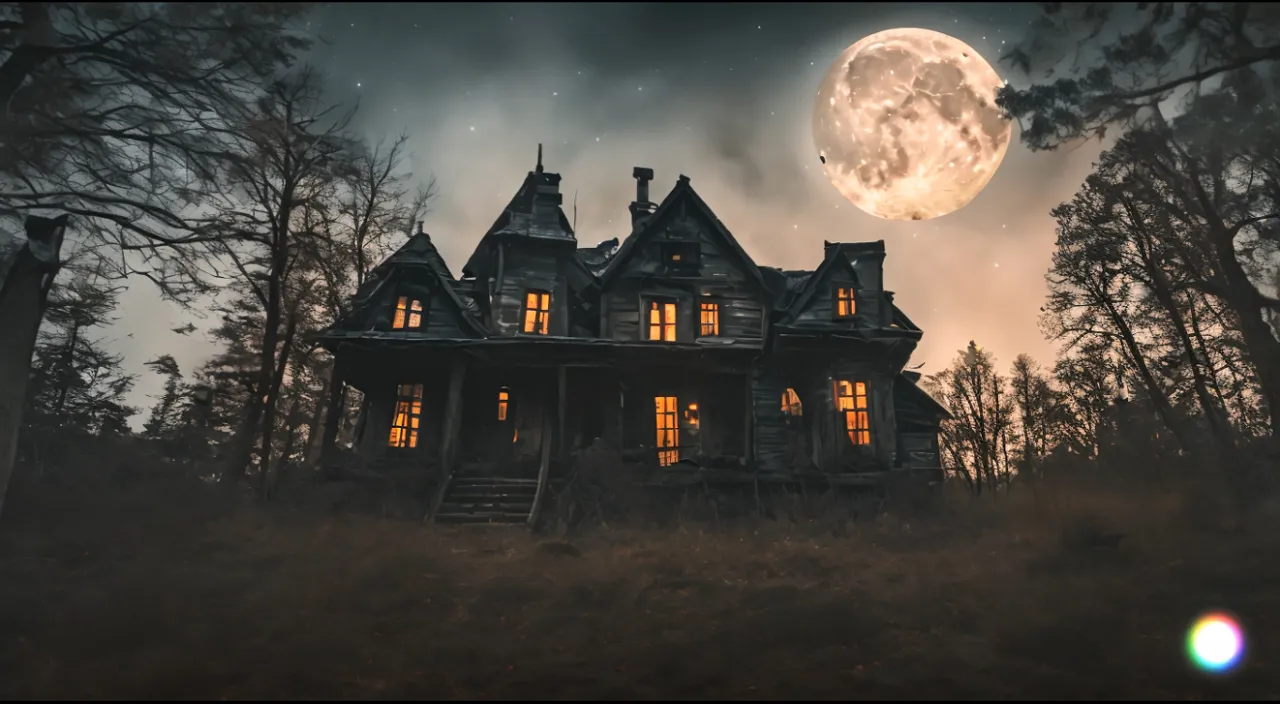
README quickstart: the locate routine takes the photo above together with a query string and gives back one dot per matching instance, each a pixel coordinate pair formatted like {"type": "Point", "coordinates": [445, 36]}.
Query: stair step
{"type": "Point", "coordinates": [486, 517]}
{"type": "Point", "coordinates": [490, 483]}
{"type": "Point", "coordinates": [484, 492]}
{"type": "Point", "coordinates": [461, 506]}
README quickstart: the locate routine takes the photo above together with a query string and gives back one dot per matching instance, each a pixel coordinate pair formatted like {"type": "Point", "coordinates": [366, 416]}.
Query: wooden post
{"type": "Point", "coordinates": [562, 412]}
{"type": "Point", "coordinates": [544, 464]}
{"type": "Point", "coordinates": [749, 417]}
{"type": "Point", "coordinates": [452, 417]}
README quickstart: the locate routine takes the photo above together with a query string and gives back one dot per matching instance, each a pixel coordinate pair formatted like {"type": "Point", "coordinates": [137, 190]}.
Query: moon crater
{"type": "Point", "coordinates": [906, 124]}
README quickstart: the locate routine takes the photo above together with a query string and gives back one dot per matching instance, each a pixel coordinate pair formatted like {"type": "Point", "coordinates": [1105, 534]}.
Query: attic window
{"type": "Point", "coordinates": [537, 312]}
{"type": "Point", "coordinates": [851, 402]}
{"type": "Point", "coordinates": [709, 319]}
{"type": "Point", "coordinates": [404, 424]}
{"type": "Point", "coordinates": [791, 404]}
{"type": "Point", "coordinates": [662, 321]}
{"type": "Point", "coordinates": [682, 256]}
{"type": "Point", "coordinates": [845, 304]}
{"type": "Point", "coordinates": [408, 314]}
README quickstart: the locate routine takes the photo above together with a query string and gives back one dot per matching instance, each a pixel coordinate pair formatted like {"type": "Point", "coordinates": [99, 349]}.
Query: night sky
{"type": "Point", "coordinates": [720, 92]}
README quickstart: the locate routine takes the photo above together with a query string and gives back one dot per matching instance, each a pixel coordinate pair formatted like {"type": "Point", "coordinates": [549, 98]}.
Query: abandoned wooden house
{"type": "Point", "coordinates": [674, 347]}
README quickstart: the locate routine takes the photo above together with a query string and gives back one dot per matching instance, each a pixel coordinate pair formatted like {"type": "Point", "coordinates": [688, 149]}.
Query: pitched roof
{"type": "Point", "coordinates": [419, 251]}
{"type": "Point", "coordinates": [528, 214]}
{"type": "Point", "coordinates": [682, 191]}
{"type": "Point", "coordinates": [835, 254]}
{"type": "Point", "coordinates": [905, 384]}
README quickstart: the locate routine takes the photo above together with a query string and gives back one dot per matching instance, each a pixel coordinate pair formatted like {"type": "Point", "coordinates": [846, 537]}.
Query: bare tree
{"type": "Point", "coordinates": [976, 441]}
{"type": "Point", "coordinates": [292, 152]}
{"type": "Point", "coordinates": [114, 112]}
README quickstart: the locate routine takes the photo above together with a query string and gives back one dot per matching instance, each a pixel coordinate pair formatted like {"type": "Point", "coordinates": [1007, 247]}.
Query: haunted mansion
{"type": "Point", "coordinates": [674, 347]}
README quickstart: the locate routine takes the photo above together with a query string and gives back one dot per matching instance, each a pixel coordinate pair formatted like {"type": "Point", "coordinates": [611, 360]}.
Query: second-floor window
{"type": "Point", "coordinates": [845, 303]}
{"type": "Point", "coordinates": [662, 321]}
{"type": "Point", "coordinates": [537, 312]}
{"type": "Point", "coordinates": [708, 319]}
{"type": "Point", "coordinates": [408, 314]}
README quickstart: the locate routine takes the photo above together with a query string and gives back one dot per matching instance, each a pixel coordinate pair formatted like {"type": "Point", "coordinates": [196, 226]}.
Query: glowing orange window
{"type": "Point", "coordinates": [709, 320]}
{"type": "Point", "coordinates": [791, 403]}
{"type": "Point", "coordinates": [851, 402]}
{"type": "Point", "coordinates": [662, 321]}
{"type": "Point", "coordinates": [537, 312]}
{"type": "Point", "coordinates": [846, 305]}
{"type": "Point", "coordinates": [667, 423]}
{"type": "Point", "coordinates": [404, 424]}
{"type": "Point", "coordinates": [504, 399]}
{"type": "Point", "coordinates": [408, 314]}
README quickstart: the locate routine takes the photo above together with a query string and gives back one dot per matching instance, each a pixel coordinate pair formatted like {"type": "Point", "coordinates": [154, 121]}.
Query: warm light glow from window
{"type": "Point", "coordinates": [504, 397]}
{"type": "Point", "coordinates": [846, 304]}
{"type": "Point", "coordinates": [691, 419]}
{"type": "Point", "coordinates": [408, 314]}
{"type": "Point", "coordinates": [709, 322]}
{"type": "Point", "coordinates": [662, 321]}
{"type": "Point", "coordinates": [791, 403]}
{"type": "Point", "coordinates": [851, 402]}
{"type": "Point", "coordinates": [668, 428]}
{"type": "Point", "coordinates": [537, 312]}
{"type": "Point", "coordinates": [404, 424]}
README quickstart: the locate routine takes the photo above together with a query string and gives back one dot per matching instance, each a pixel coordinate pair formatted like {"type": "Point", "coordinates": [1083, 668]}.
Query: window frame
{"type": "Point", "coordinates": [664, 305]}
{"type": "Point", "coordinates": [403, 435]}
{"type": "Point", "coordinates": [530, 325]}
{"type": "Point", "coordinates": [840, 299]}
{"type": "Point", "coordinates": [855, 414]}
{"type": "Point", "coordinates": [404, 312]}
{"type": "Point", "coordinates": [681, 256]}
{"type": "Point", "coordinates": [703, 310]}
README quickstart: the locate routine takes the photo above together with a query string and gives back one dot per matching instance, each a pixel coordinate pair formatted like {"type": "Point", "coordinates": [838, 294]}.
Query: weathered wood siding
{"type": "Point", "coordinates": [441, 318]}
{"type": "Point", "coordinates": [918, 450]}
{"type": "Point", "coordinates": [721, 278]}
{"type": "Point", "coordinates": [771, 437]}
{"type": "Point", "coordinates": [526, 266]}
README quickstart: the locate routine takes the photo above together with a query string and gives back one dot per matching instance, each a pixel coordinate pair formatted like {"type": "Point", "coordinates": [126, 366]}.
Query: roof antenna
{"type": "Point", "coordinates": [575, 210]}
{"type": "Point", "coordinates": [539, 168]}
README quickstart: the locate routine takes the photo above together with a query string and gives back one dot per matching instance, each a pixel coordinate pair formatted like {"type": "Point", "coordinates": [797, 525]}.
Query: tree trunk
{"type": "Point", "coordinates": [271, 399]}
{"type": "Point", "coordinates": [334, 409]}
{"type": "Point", "coordinates": [315, 426]}
{"type": "Point", "coordinates": [25, 278]}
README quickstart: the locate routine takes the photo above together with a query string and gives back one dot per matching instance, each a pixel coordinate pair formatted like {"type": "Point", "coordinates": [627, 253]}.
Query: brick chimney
{"type": "Point", "coordinates": [641, 208]}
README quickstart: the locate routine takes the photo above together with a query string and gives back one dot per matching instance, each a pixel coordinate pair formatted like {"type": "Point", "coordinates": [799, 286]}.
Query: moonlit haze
{"type": "Point", "coordinates": [906, 124]}
{"type": "Point", "coordinates": [721, 93]}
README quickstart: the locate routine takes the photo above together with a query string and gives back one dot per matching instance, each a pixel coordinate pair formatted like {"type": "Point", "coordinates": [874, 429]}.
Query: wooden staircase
{"type": "Point", "coordinates": [487, 500]}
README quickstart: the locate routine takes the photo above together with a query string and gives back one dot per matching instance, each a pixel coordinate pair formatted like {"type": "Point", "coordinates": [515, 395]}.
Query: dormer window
{"type": "Point", "coordinates": [537, 312]}
{"type": "Point", "coordinates": [845, 305]}
{"type": "Point", "coordinates": [408, 314]}
{"type": "Point", "coordinates": [683, 257]}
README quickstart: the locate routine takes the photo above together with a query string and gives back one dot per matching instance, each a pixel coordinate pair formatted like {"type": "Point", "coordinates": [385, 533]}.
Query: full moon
{"type": "Point", "coordinates": [906, 124]}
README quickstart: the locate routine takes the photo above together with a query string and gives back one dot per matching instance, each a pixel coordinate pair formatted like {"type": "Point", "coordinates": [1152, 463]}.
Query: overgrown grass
{"type": "Point", "coordinates": [154, 587]}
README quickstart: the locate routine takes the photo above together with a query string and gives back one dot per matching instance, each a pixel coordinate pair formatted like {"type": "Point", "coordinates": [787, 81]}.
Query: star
{"type": "Point", "coordinates": [473, 129]}
{"type": "Point", "coordinates": [358, 85]}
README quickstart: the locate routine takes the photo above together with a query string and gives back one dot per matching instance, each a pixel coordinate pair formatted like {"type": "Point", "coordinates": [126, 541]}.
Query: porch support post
{"type": "Point", "coordinates": [452, 416]}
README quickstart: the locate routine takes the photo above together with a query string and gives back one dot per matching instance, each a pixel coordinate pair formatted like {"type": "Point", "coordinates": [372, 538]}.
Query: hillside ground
{"type": "Point", "coordinates": [125, 584]}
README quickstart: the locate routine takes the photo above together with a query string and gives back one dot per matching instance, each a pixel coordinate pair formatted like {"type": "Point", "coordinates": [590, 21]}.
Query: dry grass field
{"type": "Point", "coordinates": [157, 588]}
